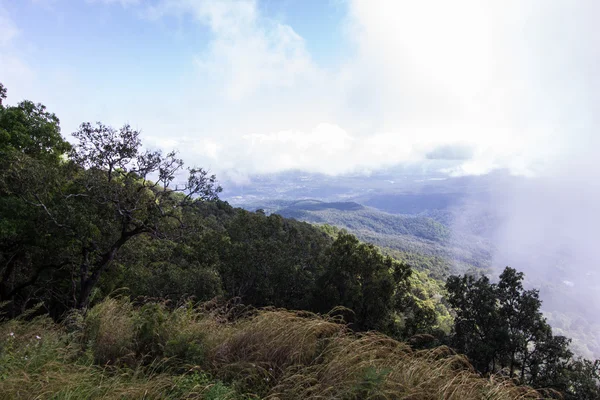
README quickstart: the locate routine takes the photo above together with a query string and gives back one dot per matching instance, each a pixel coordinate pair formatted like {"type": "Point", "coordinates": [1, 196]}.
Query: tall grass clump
{"type": "Point", "coordinates": [109, 331]}
{"type": "Point", "coordinates": [117, 333]}
{"type": "Point", "coordinates": [258, 350]}
{"type": "Point", "coordinates": [115, 351]}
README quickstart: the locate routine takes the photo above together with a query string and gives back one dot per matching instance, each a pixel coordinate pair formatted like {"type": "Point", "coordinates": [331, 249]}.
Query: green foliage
{"type": "Point", "coordinates": [186, 346]}
{"type": "Point", "coordinates": [152, 328]}
{"type": "Point", "coordinates": [28, 129]}
{"type": "Point", "coordinates": [31, 161]}
{"type": "Point", "coordinates": [109, 332]}
{"type": "Point", "coordinates": [2, 93]}
{"type": "Point", "coordinates": [411, 234]}
{"type": "Point", "coordinates": [355, 217]}
{"type": "Point", "coordinates": [41, 359]}
{"type": "Point", "coordinates": [359, 277]}
{"type": "Point", "coordinates": [424, 310]}
{"type": "Point", "coordinates": [371, 383]}
{"type": "Point", "coordinates": [268, 260]}
{"type": "Point", "coordinates": [584, 380]}
{"type": "Point", "coordinates": [211, 389]}
{"type": "Point", "coordinates": [76, 216]}
{"type": "Point", "coordinates": [116, 333]}
{"type": "Point", "coordinates": [436, 267]}
{"type": "Point", "coordinates": [500, 327]}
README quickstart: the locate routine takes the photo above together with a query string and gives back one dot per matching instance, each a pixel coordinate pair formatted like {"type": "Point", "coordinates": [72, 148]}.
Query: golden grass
{"type": "Point", "coordinates": [270, 353]}
{"type": "Point", "coordinates": [109, 331]}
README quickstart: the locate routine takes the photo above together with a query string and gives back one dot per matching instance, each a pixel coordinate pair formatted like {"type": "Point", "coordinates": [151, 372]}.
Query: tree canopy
{"type": "Point", "coordinates": [500, 327]}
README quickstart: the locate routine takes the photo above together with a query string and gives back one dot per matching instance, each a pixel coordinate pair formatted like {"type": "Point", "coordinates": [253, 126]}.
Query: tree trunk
{"type": "Point", "coordinates": [89, 282]}
{"type": "Point", "coordinates": [84, 295]}
{"type": "Point", "coordinates": [512, 364]}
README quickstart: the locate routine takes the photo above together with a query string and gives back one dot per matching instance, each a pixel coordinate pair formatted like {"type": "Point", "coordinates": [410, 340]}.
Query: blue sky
{"type": "Point", "coordinates": [330, 86]}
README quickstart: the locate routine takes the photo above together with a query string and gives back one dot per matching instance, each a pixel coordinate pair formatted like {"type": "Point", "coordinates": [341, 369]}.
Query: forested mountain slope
{"type": "Point", "coordinates": [119, 279]}
{"type": "Point", "coordinates": [450, 240]}
{"type": "Point", "coordinates": [413, 234]}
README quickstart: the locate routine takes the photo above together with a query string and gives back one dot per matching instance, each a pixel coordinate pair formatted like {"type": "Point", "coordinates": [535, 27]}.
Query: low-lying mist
{"type": "Point", "coordinates": [547, 227]}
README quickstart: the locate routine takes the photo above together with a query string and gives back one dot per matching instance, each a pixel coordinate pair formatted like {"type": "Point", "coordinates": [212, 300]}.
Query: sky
{"type": "Point", "coordinates": [329, 86]}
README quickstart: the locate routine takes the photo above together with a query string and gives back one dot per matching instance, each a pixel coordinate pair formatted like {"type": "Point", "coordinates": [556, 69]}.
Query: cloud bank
{"type": "Point", "coordinates": [494, 85]}
{"type": "Point", "coordinates": [422, 76]}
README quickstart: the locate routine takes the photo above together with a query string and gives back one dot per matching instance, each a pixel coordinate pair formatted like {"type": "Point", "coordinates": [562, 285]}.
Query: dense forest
{"type": "Point", "coordinates": [412, 234]}
{"type": "Point", "coordinates": [440, 243]}
{"type": "Point", "coordinates": [122, 275]}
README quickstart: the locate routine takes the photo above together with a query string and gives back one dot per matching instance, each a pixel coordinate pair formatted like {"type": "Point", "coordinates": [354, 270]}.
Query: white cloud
{"type": "Point", "coordinates": [425, 74]}
{"type": "Point", "coordinates": [249, 51]}
{"type": "Point", "coordinates": [482, 75]}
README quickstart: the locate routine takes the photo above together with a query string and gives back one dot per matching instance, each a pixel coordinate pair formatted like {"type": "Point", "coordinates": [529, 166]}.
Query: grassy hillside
{"type": "Point", "coordinates": [205, 352]}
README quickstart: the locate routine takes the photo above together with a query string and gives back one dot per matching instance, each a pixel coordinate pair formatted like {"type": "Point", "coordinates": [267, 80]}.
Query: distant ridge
{"type": "Point", "coordinates": [317, 205]}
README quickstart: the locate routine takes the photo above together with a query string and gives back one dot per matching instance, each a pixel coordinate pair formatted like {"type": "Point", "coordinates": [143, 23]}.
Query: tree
{"type": "Point", "coordinates": [525, 325]}
{"type": "Point", "coordinates": [108, 192]}
{"type": "Point", "coordinates": [584, 380]}
{"type": "Point", "coordinates": [269, 260]}
{"type": "Point", "coordinates": [359, 277]}
{"type": "Point", "coordinates": [32, 155]}
{"type": "Point", "coordinates": [478, 330]}
{"type": "Point", "coordinates": [31, 130]}
{"type": "Point", "coordinates": [115, 200]}
{"type": "Point", "coordinates": [500, 327]}
{"type": "Point", "coordinates": [2, 93]}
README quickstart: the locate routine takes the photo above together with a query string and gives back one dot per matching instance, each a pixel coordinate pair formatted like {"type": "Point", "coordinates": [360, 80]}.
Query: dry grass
{"type": "Point", "coordinates": [109, 331]}
{"type": "Point", "coordinates": [272, 354]}
{"type": "Point", "coordinates": [298, 356]}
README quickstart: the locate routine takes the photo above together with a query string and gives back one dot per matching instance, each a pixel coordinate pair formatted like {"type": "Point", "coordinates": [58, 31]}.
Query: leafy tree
{"type": "Point", "coordinates": [2, 93]}
{"type": "Point", "coordinates": [31, 130]}
{"type": "Point", "coordinates": [520, 312]}
{"type": "Point", "coordinates": [112, 199]}
{"type": "Point", "coordinates": [269, 260]}
{"type": "Point", "coordinates": [359, 277]}
{"type": "Point", "coordinates": [31, 161]}
{"type": "Point", "coordinates": [478, 330]}
{"type": "Point", "coordinates": [499, 326]}
{"type": "Point", "coordinates": [584, 380]}
{"type": "Point", "coordinates": [422, 310]}
{"type": "Point", "coordinates": [162, 268]}
{"type": "Point", "coordinates": [78, 214]}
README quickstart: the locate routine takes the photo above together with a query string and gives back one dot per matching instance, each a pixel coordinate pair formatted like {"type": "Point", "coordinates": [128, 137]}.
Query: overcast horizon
{"type": "Point", "coordinates": [245, 87]}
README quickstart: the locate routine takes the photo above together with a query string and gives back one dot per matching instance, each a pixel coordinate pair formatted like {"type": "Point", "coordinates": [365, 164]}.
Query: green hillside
{"type": "Point", "coordinates": [401, 234]}
{"type": "Point", "coordinates": [354, 217]}
{"type": "Point", "coordinates": [119, 279]}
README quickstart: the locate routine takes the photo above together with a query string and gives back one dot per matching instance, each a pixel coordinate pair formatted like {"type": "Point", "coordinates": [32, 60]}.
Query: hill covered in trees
{"type": "Point", "coordinates": [120, 279]}
{"type": "Point", "coordinates": [401, 234]}
{"type": "Point", "coordinates": [456, 240]}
